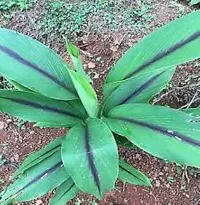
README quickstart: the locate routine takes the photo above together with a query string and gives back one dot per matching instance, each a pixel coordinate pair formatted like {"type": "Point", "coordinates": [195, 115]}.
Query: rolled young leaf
{"type": "Point", "coordinates": [163, 132]}
{"type": "Point", "coordinates": [35, 66]}
{"type": "Point", "coordinates": [36, 181]}
{"type": "Point", "coordinates": [86, 93]}
{"type": "Point", "coordinates": [37, 108]}
{"type": "Point", "coordinates": [90, 156]}
{"type": "Point", "coordinates": [175, 43]}
{"type": "Point", "coordinates": [64, 193]}
{"type": "Point", "coordinates": [139, 89]}
{"type": "Point", "coordinates": [39, 156]}
{"type": "Point", "coordinates": [131, 175]}
{"type": "Point", "coordinates": [76, 59]}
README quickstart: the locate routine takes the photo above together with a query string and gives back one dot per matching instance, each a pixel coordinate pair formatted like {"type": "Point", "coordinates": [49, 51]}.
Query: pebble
{"type": "Point", "coordinates": [167, 186]}
{"type": "Point", "coordinates": [137, 156]}
{"type": "Point", "coordinates": [161, 173]}
{"type": "Point", "coordinates": [91, 65]}
{"type": "Point", "coordinates": [2, 125]}
{"type": "Point", "coordinates": [166, 169]}
{"type": "Point", "coordinates": [157, 183]}
{"type": "Point", "coordinates": [15, 158]}
{"type": "Point", "coordinates": [38, 202]}
{"type": "Point", "coordinates": [8, 121]}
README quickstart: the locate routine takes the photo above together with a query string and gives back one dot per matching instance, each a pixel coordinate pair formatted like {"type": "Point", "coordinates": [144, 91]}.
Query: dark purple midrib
{"type": "Point", "coordinates": [164, 53]}
{"type": "Point", "coordinates": [53, 149]}
{"type": "Point", "coordinates": [140, 89]}
{"type": "Point", "coordinates": [36, 105]}
{"type": "Point", "coordinates": [32, 65]}
{"type": "Point", "coordinates": [37, 178]}
{"type": "Point", "coordinates": [121, 167]}
{"type": "Point", "coordinates": [162, 130]}
{"type": "Point", "coordinates": [90, 158]}
{"type": "Point", "coordinates": [73, 184]}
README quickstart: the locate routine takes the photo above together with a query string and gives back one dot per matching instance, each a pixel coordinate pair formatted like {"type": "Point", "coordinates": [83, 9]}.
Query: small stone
{"type": "Point", "coordinates": [137, 156]}
{"type": "Point", "coordinates": [167, 186]}
{"type": "Point", "coordinates": [15, 158]}
{"type": "Point", "coordinates": [157, 183]}
{"type": "Point", "coordinates": [2, 125]}
{"type": "Point", "coordinates": [161, 173]}
{"type": "Point", "coordinates": [8, 121]}
{"type": "Point", "coordinates": [118, 39]}
{"type": "Point", "coordinates": [91, 65]}
{"type": "Point", "coordinates": [166, 169]}
{"type": "Point", "coordinates": [38, 202]}
{"type": "Point", "coordinates": [114, 48]}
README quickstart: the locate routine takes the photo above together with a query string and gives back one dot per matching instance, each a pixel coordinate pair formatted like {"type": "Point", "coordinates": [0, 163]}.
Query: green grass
{"type": "Point", "coordinates": [68, 18]}
{"type": "Point", "coordinates": [8, 5]}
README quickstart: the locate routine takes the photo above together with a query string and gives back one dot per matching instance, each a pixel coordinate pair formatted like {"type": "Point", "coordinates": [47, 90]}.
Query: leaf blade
{"type": "Point", "coordinates": [37, 157]}
{"type": "Point", "coordinates": [181, 45]}
{"type": "Point", "coordinates": [164, 132]}
{"type": "Point", "coordinates": [33, 65]}
{"type": "Point", "coordinates": [43, 175]}
{"type": "Point", "coordinates": [131, 175]}
{"type": "Point", "coordinates": [37, 108]}
{"type": "Point", "coordinates": [91, 170]}
{"type": "Point", "coordinates": [139, 89]}
{"type": "Point", "coordinates": [64, 193]}
{"type": "Point", "coordinates": [86, 93]}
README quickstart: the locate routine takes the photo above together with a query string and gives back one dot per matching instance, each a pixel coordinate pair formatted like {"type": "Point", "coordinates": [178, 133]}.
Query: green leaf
{"type": "Point", "coordinates": [37, 108]}
{"type": "Point", "coordinates": [124, 142]}
{"type": "Point", "coordinates": [36, 181]}
{"type": "Point", "coordinates": [193, 2]}
{"type": "Point", "coordinates": [86, 93]}
{"type": "Point", "coordinates": [90, 156]}
{"type": "Point", "coordinates": [35, 66]}
{"type": "Point", "coordinates": [139, 89]}
{"type": "Point", "coordinates": [77, 105]}
{"type": "Point", "coordinates": [39, 156]}
{"type": "Point", "coordinates": [175, 43]}
{"type": "Point", "coordinates": [64, 193]}
{"type": "Point", "coordinates": [76, 59]}
{"type": "Point", "coordinates": [131, 175]}
{"type": "Point", "coordinates": [193, 111]}
{"type": "Point", "coordinates": [163, 132]}
{"type": "Point", "coordinates": [18, 86]}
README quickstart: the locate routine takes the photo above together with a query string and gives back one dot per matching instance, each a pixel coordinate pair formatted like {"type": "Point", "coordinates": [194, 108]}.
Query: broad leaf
{"type": "Point", "coordinates": [173, 44]}
{"type": "Point", "coordinates": [139, 89]}
{"type": "Point", "coordinates": [37, 108]}
{"type": "Point", "coordinates": [193, 111]}
{"type": "Point", "coordinates": [36, 181]}
{"type": "Point", "coordinates": [86, 93]}
{"type": "Point", "coordinates": [18, 86]}
{"type": "Point", "coordinates": [64, 193]}
{"type": "Point", "coordinates": [35, 66]}
{"type": "Point", "coordinates": [90, 156]}
{"type": "Point", "coordinates": [77, 105]}
{"type": "Point", "coordinates": [131, 175]}
{"type": "Point", "coordinates": [166, 133]}
{"type": "Point", "coordinates": [39, 156]}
